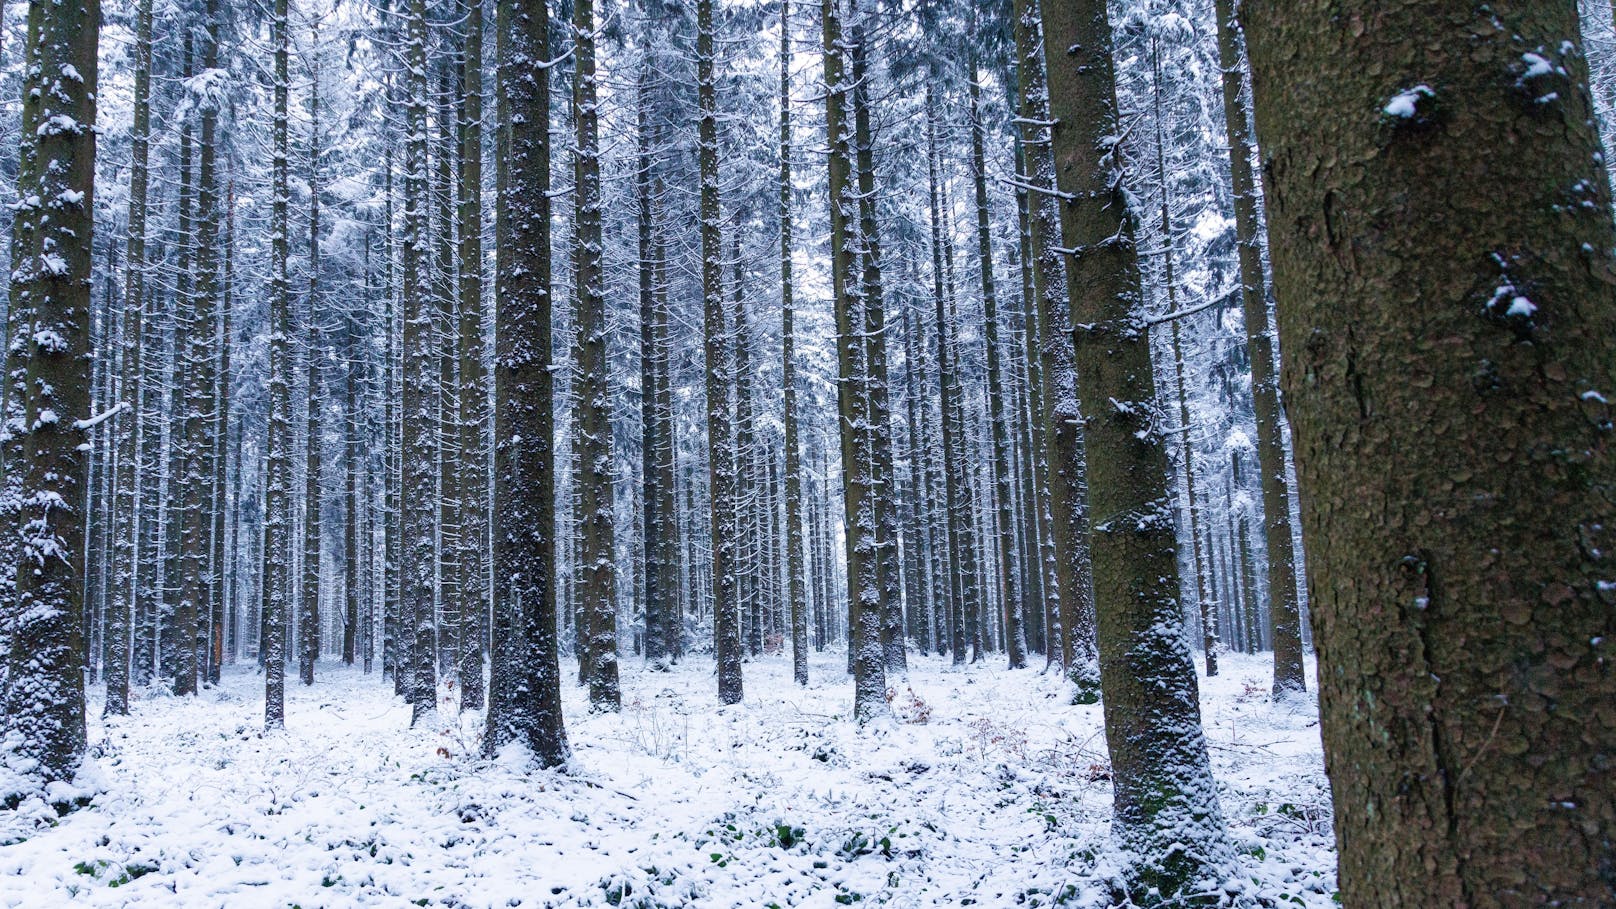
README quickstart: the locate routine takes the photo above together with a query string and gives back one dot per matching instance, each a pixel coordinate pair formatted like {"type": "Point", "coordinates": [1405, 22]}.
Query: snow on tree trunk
{"type": "Point", "coordinates": [42, 731]}
{"type": "Point", "coordinates": [1166, 811]}
{"type": "Point", "coordinates": [1441, 237]}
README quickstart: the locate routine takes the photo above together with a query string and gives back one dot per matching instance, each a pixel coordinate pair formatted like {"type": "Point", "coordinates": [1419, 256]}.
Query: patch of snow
{"type": "Point", "coordinates": [988, 788]}
{"type": "Point", "coordinates": [1405, 104]}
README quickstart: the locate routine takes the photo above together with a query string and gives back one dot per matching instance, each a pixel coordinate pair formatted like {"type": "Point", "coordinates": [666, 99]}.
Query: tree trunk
{"type": "Point", "coordinates": [866, 653]}
{"type": "Point", "coordinates": [42, 699]}
{"type": "Point", "coordinates": [1166, 807]}
{"type": "Point", "coordinates": [796, 593]}
{"type": "Point", "coordinates": [277, 562]}
{"type": "Point", "coordinates": [123, 602]}
{"type": "Point", "coordinates": [721, 470]}
{"type": "Point", "coordinates": [1449, 364]}
{"type": "Point", "coordinates": [1062, 435]}
{"type": "Point", "coordinates": [524, 697]}
{"type": "Point", "coordinates": [1283, 602]}
{"type": "Point", "coordinates": [419, 499]}
{"type": "Point", "coordinates": [596, 558]}
{"type": "Point", "coordinates": [473, 418]}
{"type": "Point", "coordinates": [1004, 520]}
{"type": "Point", "coordinates": [308, 621]}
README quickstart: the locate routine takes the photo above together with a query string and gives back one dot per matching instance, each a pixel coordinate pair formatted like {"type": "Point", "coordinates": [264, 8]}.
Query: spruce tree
{"type": "Point", "coordinates": [1166, 810]}
{"type": "Point", "coordinates": [1441, 234]}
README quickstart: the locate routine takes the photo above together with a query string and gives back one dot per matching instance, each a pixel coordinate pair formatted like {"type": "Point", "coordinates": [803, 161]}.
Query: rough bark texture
{"type": "Point", "coordinates": [42, 696]}
{"type": "Point", "coordinates": [419, 662]}
{"type": "Point", "coordinates": [1062, 437]}
{"type": "Point", "coordinates": [866, 653]}
{"type": "Point", "coordinates": [1441, 234]}
{"type": "Point", "coordinates": [796, 594]}
{"type": "Point", "coordinates": [123, 602]}
{"type": "Point", "coordinates": [473, 424]}
{"type": "Point", "coordinates": [597, 581]}
{"type": "Point", "coordinates": [1166, 806]}
{"type": "Point", "coordinates": [524, 698]}
{"type": "Point", "coordinates": [720, 457]}
{"type": "Point", "coordinates": [661, 597]}
{"type": "Point", "coordinates": [277, 561]}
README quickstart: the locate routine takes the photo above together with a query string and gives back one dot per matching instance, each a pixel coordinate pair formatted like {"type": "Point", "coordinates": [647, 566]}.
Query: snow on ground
{"type": "Point", "coordinates": [993, 793]}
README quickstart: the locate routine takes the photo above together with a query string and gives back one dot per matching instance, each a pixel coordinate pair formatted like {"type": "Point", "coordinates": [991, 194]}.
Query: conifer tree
{"type": "Point", "coordinates": [42, 688]}
{"type": "Point", "coordinates": [1166, 807]}
{"type": "Point", "coordinates": [1447, 365]}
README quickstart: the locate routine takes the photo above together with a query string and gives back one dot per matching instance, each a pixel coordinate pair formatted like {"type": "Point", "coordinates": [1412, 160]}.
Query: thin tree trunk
{"type": "Point", "coordinates": [866, 654]}
{"type": "Point", "coordinates": [127, 508]}
{"type": "Point", "coordinates": [1004, 520]}
{"type": "Point", "coordinates": [420, 508]}
{"type": "Point", "coordinates": [473, 418]}
{"type": "Point", "coordinates": [308, 622]}
{"type": "Point", "coordinates": [1064, 461]}
{"type": "Point", "coordinates": [1166, 807]}
{"type": "Point", "coordinates": [593, 503]}
{"type": "Point", "coordinates": [1283, 602]}
{"type": "Point", "coordinates": [721, 470]}
{"type": "Point", "coordinates": [796, 593]}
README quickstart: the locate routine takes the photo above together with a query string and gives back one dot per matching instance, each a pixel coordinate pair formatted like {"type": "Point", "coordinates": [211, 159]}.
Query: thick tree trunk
{"type": "Point", "coordinates": [1441, 234]}
{"type": "Point", "coordinates": [42, 698]}
{"type": "Point", "coordinates": [524, 697]}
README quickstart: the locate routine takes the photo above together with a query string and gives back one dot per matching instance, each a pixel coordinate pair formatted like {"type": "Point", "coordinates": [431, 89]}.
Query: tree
{"type": "Point", "coordinates": [1289, 675]}
{"type": "Point", "coordinates": [1004, 520]}
{"type": "Point", "coordinates": [419, 501]}
{"type": "Point", "coordinates": [1062, 441]}
{"type": "Point", "coordinates": [796, 593]}
{"type": "Point", "coordinates": [1166, 808]}
{"type": "Point", "coordinates": [524, 696]}
{"type": "Point", "coordinates": [855, 407]}
{"type": "Point", "coordinates": [720, 457]}
{"type": "Point", "coordinates": [127, 508]}
{"type": "Point", "coordinates": [593, 498]}
{"type": "Point", "coordinates": [473, 417]}
{"type": "Point", "coordinates": [277, 561]}
{"type": "Point", "coordinates": [1448, 363]}
{"type": "Point", "coordinates": [308, 613]}
{"type": "Point", "coordinates": [42, 688]}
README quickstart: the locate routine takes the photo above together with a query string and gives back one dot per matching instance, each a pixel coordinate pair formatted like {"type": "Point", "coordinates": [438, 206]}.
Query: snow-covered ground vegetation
{"type": "Point", "coordinates": [988, 790]}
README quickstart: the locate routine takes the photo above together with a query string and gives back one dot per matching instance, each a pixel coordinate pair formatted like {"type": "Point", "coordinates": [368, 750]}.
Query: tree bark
{"type": "Point", "coordinates": [1062, 435]}
{"type": "Point", "coordinates": [1441, 235]}
{"type": "Point", "coordinates": [796, 592]}
{"type": "Point", "coordinates": [42, 698]}
{"type": "Point", "coordinates": [1283, 604]}
{"type": "Point", "coordinates": [524, 698]}
{"type": "Point", "coordinates": [1166, 809]}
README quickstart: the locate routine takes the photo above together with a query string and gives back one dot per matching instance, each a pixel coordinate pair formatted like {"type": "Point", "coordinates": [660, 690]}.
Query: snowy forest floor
{"type": "Point", "coordinates": [990, 791]}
